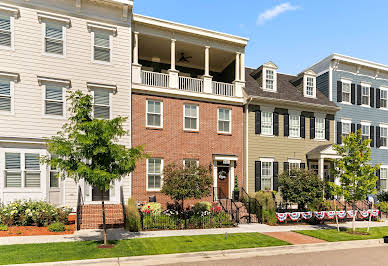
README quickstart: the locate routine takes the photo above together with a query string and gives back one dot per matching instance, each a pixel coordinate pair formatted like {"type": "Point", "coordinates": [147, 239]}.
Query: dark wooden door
{"type": "Point", "coordinates": [223, 182]}
{"type": "Point", "coordinates": [97, 195]}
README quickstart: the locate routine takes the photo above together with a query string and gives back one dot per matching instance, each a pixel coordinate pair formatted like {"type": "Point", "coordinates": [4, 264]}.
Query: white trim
{"type": "Point", "coordinates": [346, 120]}
{"type": "Point", "coordinates": [305, 77]}
{"type": "Point", "coordinates": [63, 55]}
{"type": "Point", "coordinates": [261, 124]}
{"type": "Point", "coordinates": [294, 161]}
{"type": "Point", "coordinates": [161, 114]}
{"type": "Point", "coordinates": [12, 95]}
{"type": "Point", "coordinates": [55, 17]}
{"type": "Point", "coordinates": [110, 102]}
{"type": "Point", "coordinates": [92, 25]}
{"type": "Point", "coordinates": [184, 116]}
{"type": "Point", "coordinates": [161, 174]}
{"type": "Point", "coordinates": [365, 123]}
{"type": "Point", "coordinates": [264, 78]}
{"type": "Point", "coordinates": [9, 75]}
{"type": "Point", "coordinates": [12, 29]}
{"type": "Point", "coordinates": [10, 9]}
{"type": "Point", "coordinates": [64, 82]}
{"type": "Point", "coordinates": [93, 85]}
{"type": "Point", "coordinates": [230, 121]}
{"type": "Point", "coordinates": [225, 158]}
{"type": "Point", "coordinates": [110, 50]}
{"type": "Point", "coordinates": [267, 160]}
{"type": "Point", "coordinates": [61, 117]}
{"type": "Point", "coordinates": [316, 127]}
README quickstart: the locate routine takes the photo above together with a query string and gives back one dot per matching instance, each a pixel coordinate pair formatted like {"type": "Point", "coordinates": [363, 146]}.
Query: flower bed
{"type": "Point", "coordinates": [35, 231]}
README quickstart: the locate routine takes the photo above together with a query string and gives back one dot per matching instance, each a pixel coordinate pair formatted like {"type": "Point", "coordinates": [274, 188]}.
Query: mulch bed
{"type": "Point", "coordinates": [35, 231]}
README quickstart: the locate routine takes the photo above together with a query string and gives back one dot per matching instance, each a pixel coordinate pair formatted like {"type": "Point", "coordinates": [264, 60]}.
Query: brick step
{"type": "Point", "coordinates": [91, 216]}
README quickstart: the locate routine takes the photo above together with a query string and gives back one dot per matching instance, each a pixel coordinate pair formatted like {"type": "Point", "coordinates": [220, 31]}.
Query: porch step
{"type": "Point", "coordinates": [91, 216]}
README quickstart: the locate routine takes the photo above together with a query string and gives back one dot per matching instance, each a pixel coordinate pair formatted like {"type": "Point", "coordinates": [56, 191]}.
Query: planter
{"type": "Point", "coordinates": [385, 239]}
{"type": "Point", "coordinates": [236, 195]}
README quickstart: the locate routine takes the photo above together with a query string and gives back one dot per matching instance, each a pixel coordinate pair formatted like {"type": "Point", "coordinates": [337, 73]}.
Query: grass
{"type": "Point", "coordinates": [332, 235]}
{"type": "Point", "coordinates": [30, 253]}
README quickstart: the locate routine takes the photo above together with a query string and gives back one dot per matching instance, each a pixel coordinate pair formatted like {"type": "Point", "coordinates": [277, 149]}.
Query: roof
{"type": "Point", "coordinates": [319, 149]}
{"type": "Point", "coordinates": [285, 90]}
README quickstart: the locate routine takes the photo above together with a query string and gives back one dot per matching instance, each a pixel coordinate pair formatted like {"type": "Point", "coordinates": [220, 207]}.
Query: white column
{"type": "Point", "coordinates": [242, 66]}
{"type": "Point", "coordinates": [136, 48]}
{"type": "Point", "coordinates": [207, 72]}
{"type": "Point", "coordinates": [237, 75]}
{"type": "Point", "coordinates": [173, 54]}
{"type": "Point", "coordinates": [321, 167]}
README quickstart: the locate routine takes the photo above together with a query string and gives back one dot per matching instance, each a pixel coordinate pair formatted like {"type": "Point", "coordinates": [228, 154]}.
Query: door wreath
{"type": "Point", "coordinates": [222, 175]}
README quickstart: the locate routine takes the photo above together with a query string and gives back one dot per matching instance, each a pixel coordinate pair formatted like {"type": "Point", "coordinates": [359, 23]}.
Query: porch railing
{"type": "Point", "coordinates": [253, 207]}
{"type": "Point", "coordinates": [190, 84]}
{"type": "Point", "coordinates": [154, 79]}
{"type": "Point", "coordinates": [221, 88]}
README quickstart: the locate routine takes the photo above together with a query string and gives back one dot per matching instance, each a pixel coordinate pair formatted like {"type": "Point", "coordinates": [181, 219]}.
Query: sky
{"type": "Point", "coordinates": [293, 34]}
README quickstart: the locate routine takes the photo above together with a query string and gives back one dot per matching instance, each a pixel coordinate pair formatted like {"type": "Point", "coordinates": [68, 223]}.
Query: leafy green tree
{"type": "Point", "coordinates": [357, 176]}
{"type": "Point", "coordinates": [87, 148]}
{"type": "Point", "coordinates": [300, 186]}
{"type": "Point", "coordinates": [181, 183]}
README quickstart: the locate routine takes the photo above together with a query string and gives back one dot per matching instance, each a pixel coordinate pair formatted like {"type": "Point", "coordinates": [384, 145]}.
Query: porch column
{"type": "Point", "coordinates": [242, 72]}
{"type": "Point", "coordinates": [207, 79]}
{"type": "Point", "coordinates": [321, 167]}
{"type": "Point", "coordinates": [173, 78]}
{"type": "Point", "coordinates": [173, 54]}
{"type": "Point", "coordinates": [136, 48]}
{"type": "Point", "coordinates": [207, 60]}
{"type": "Point", "coordinates": [237, 75]}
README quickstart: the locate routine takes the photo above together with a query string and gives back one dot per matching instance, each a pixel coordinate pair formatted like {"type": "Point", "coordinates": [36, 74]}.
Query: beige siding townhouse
{"type": "Point", "coordinates": [288, 124]}
{"type": "Point", "coordinates": [48, 48]}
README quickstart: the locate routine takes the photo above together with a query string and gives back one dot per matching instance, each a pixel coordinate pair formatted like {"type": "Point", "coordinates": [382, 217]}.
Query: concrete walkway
{"type": "Point", "coordinates": [117, 234]}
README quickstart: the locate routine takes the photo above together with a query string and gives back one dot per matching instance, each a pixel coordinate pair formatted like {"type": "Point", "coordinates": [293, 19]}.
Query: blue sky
{"type": "Point", "coordinates": [293, 34]}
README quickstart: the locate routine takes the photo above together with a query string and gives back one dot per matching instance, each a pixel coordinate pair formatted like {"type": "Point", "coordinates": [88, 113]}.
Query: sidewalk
{"type": "Point", "coordinates": [117, 234]}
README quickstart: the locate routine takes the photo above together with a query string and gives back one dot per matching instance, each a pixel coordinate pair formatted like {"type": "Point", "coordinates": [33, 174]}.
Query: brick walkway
{"type": "Point", "coordinates": [295, 238]}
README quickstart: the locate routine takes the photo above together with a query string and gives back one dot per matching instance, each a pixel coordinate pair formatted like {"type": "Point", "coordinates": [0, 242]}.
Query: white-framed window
{"type": "Point", "coordinates": [267, 123]}
{"type": "Point", "coordinates": [383, 98]}
{"type": "Point", "coordinates": [6, 96]}
{"type": "Point", "coordinates": [319, 128]}
{"type": "Point", "coordinates": [365, 131]}
{"type": "Point", "coordinates": [154, 174]}
{"type": "Point", "coordinates": [384, 178]}
{"type": "Point", "coordinates": [102, 103]}
{"type": "Point", "coordinates": [293, 165]}
{"type": "Point", "coordinates": [294, 126]}
{"type": "Point", "coordinates": [22, 170]}
{"type": "Point", "coordinates": [190, 162]}
{"type": "Point", "coordinates": [6, 31]}
{"type": "Point", "coordinates": [346, 91]}
{"type": "Point", "coordinates": [13, 170]}
{"type": "Point", "coordinates": [266, 174]}
{"type": "Point", "coordinates": [365, 91]}
{"type": "Point", "coordinates": [346, 128]}
{"type": "Point", "coordinates": [54, 177]}
{"type": "Point", "coordinates": [54, 100]}
{"type": "Point", "coordinates": [154, 114]}
{"type": "Point", "coordinates": [32, 170]}
{"type": "Point", "coordinates": [310, 87]}
{"type": "Point", "coordinates": [190, 117]}
{"type": "Point", "coordinates": [269, 79]}
{"type": "Point", "coordinates": [54, 38]}
{"type": "Point", "coordinates": [102, 46]}
{"type": "Point", "coordinates": [224, 120]}
{"type": "Point", "coordinates": [384, 137]}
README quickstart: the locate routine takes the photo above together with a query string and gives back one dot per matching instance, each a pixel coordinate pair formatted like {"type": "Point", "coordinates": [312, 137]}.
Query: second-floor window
{"type": "Point", "coordinates": [346, 92]}
{"type": "Point", "coordinates": [384, 137]}
{"type": "Point", "coordinates": [102, 104]}
{"type": "Point", "coordinates": [365, 132]}
{"type": "Point", "coordinates": [365, 95]}
{"type": "Point", "coordinates": [267, 123]}
{"type": "Point", "coordinates": [294, 126]}
{"type": "Point", "coordinates": [383, 98]}
{"type": "Point", "coordinates": [191, 121]}
{"type": "Point", "coordinates": [346, 129]}
{"type": "Point", "coordinates": [54, 100]}
{"type": "Point", "coordinates": [154, 113]}
{"type": "Point", "coordinates": [54, 38]}
{"type": "Point", "coordinates": [5, 30]}
{"type": "Point", "coordinates": [224, 118]}
{"type": "Point", "coordinates": [383, 178]}
{"type": "Point", "coordinates": [5, 95]}
{"type": "Point", "coordinates": [101, 46]}
{"type": "Point", "coordinates": [309, 86]}
{"type": "Point", "coordinates": [319, 128]}
{"type": "Point", "coordinates": [269, 79]}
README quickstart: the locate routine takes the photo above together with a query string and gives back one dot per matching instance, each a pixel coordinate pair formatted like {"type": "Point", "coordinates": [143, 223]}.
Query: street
{"type": "Point", "coordinates": [354, 257]}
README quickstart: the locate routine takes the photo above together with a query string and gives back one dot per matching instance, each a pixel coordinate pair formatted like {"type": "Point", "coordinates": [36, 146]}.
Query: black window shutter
{"type": "Point", "coordinates": [285, 166]}
{"type": "Point", "coordinates": [339, 91]}
{"type": "Point", "coordinates": [327, 129]}
{"type": "Point", "coordinates": [258, 122]}
{"type": "Point", "coordinates": [339, 132]}
{"type": "Point", "coordinates": [372, 136]}
{"type": "Point", "coordinates": [378, 137]}
{"type": "Point", "coordinates": [303, 127]}
{"type": "Point", "coordinates": [275, 176]}
{"type": "Point", "coordinates": [286, 125]}
{"type": "Point", "coordinates": [312, 128]}
{"type": "Point", "coordinates": [353, 127]}
{"type": "Point", "coordinates": [372, 97]}
{"type": "Point", "coordinates": [358, 127]}
{"type": "Point", "coordinates": [377, 98]}
{"type": "Point", "coordinates": [302, 165]}
{"type": "Point", "coordinates": [353, 91]}
{"type": "Point", "coordinates": [378, 180]}
{"type": "Point", "coordinates": [358, 94]}
{"type": "Point", "coordinates": [257, 175]}
{"type": "Point", "coordinates": [276, 124]}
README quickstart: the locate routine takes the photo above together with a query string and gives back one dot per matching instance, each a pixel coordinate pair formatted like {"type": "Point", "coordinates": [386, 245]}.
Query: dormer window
{"type": "Point", "coordinates": [269, 79]}
{"type": "Point", "coordinates": [309, 84]}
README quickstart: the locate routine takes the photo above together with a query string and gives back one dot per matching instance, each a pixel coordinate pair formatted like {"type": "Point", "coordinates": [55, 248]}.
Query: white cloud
{"type": "Point", "coordinates": [274, 12]}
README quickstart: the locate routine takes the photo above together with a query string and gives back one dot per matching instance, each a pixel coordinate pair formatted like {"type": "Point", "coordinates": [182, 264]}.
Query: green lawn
{"type": "Point", "coordinates": [14, 254]}
{"type": "Point", "coordinates": [332, 235]}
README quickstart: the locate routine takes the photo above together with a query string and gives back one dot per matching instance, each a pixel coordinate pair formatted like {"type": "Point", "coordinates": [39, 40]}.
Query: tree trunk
{"type": "Point", "coordinates": [336, 217]}
{"type": "Point", "coordinates": [354, 217]}
{"type": "Point", "coordinates": [370, 218]}
{"type": "Point", "coordinates": [103, 217]}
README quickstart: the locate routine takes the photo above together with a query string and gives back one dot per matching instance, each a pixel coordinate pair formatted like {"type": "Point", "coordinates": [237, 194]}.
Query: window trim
{"type": "Point", "coordinates": [289, 125]}
{"type": "Point", "coordinates": [363, 123]}
{"type": "Point", "coordinates": [161, 113]}
{"type": "Point", "coordinates": [324, 128]}
{"type": "Point", "coordinates": [266, 160]}
{"type": "Point", "coordinates": [230, 121]}
{"type": "Point", "coordinates": [110, 102]}
{"type": "Point", "coordinates": [12, 28]}
{"type": "Point", "coordinates": [386, 90]}
{"type": "Point", "coordinates": [385, 126]}
{"type": "Point", "coordinates": [345, 81]}
{"type": "Point", "coordinates": [346, 121]}
{"type": "Point", "coordinates": [92, 32]}
{"type": "Point", "coordinates": [63, 116]}
{"type": "Point", "coordinates": [64, 28]}
{"type": "Point", "coordinates": [12, 90]}
{"type": "Point", "coordinates": [365, 85]}
{"type": "Point", "coordinates": [305, 78]}
{"type": "Point", "coordinates": [264, 77]}
{"type": "Point", "coordinates": [184, 116]}
{"type": "Point", "coordinates": [161, 174]}
{"type": "Point", "coordinates": [384, 167]}
{"type": "Point", "coordinates": [272, 125]}
{"type": "Point", "coordinates": [293, 161]}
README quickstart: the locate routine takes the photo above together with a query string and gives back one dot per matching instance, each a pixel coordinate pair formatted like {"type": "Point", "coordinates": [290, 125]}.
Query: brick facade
{"type": "Point", "coordinates": [173, 144]}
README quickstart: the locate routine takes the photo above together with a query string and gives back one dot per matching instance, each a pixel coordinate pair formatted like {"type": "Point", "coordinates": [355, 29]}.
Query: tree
{"type": "Point", "coordinates": [357, 177]}
{"type": "Point", "coordinates": [86, 148]}
{"type": "Point", "coordinates": [300, 186]}
{"type": "Point", "coordinates": [181, 183]}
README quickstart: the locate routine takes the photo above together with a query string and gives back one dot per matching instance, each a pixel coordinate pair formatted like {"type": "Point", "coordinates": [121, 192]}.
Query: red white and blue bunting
{"type": "Point", "coordinates": [294, 216]}
{"type": "Point", "coordinates": [281, 216]}
{"type": "Point", "coordinates": [341, 214]}
{"type": "Point", "coordinates": [351, 213]}
{"type": "Point", "coordinates": [374, 213]}
{"type": "Point", "coordinates": [307, 215]}
{"type": "Point", "coordinates": [330, 214]}
{"type": "Point", "coordinates": [320, 215]}
{"type": "Point", "coordinates": [364, 214]}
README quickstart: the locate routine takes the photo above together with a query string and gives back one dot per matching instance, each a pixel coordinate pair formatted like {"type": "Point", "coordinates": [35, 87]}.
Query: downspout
{"type": "Point", "coordinates": [246, 143]}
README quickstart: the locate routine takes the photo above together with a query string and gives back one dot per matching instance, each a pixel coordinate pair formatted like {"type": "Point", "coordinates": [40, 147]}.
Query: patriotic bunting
{"type": "Point", "coordinates": [364, 214]}
{"type": "Point", "coordinates": [351, 213]}
{"type": "Point", "coordinates": [374, 213]}
{"type": "Point", "coordinates": [307, 215]}
{"type": "Point", "coordinates": [320, 215]}
{"type": "Point", "coordinates": [294, 216]}
{"type": "Point", "coordinates": [330, 214]}
{"type": "Point", "coordinates": [281, 216]}
{"type": "Point", "coordinates": [341, 214]}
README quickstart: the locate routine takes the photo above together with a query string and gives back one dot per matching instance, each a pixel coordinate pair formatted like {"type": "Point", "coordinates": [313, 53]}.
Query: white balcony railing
{"type": "Point", "coordinates": [154, 79]}
{"type": "Point", "coordinates": [190, 84]}
{"type": "Point", "coordinates": [221, 88]}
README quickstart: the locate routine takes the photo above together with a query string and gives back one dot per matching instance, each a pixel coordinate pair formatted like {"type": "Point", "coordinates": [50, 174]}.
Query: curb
{"type": "Point", "coordinates": [221, 254]}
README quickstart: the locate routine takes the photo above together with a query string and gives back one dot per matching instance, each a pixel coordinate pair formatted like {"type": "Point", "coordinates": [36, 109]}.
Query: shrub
{"type": "Point", "coordinates": [321, 205]}
{"type": "Point", "coordinates": [382, 196]}
{"type": "Point", "coordinates": [56, 227]}
{"type": "Point", "coordinates": [383, 206]}
{"type": "Point", "coordinates": [202, 206]}
{"type": "Point", "coordinates": [132, 222]}
{"type": "Point", "coordinates": [3, 227]}
{"type": "Point", "coordinates": [152, 207]}
{"type": "Point", "coordinates": [266, 200]}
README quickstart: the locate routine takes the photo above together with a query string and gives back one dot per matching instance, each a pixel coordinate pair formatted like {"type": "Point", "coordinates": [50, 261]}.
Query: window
{"type": "Point", "coordinates": [365, 95]}
{"type": "Point", "coordinates": [346, 92]}
{"type": "Point", "coordinates": [384, 137]}
{"type": "Point", "coordinates": [319, 128]}
{"type": "Point", "coordinates": [102, 104]}
{"type": "Point", "coordinates": [267, 123]}
{"type": "Point", "coordinates": [13, 174]}
{"type": "Point", "coordinates": [54, 177]}
{"type": "Point", "coordinates": [5, 96]}
{"type": "Point", "coordinates": [32, 171]}
{"type": "Point", "coordinates": [266, 175]}
{"type": "Point", "coordinates": [294, 126]}
{"type": "Point", "coordinates": [154, 174]}
{"type": "Point", "coordinates": [224, 118]}
{"type": "Point", "coordinates": [383, 178]}
{"type": "Point", "coordinates": [294, 165]}
{"type": "Point", "coordinates": [383, 98]}
{"type": "Point", "coordinates": [190, 117]}
{"type": "Point", "coordinates": [310, 86]}
{"type": "Point", "coordinates": [346, 128]}
{"type": "Point", "coordinates": [101, 46]}
{"type": "Point", "coordinates": [54, 100]}
{"type": "Point", "coordinates": [6, 31]}
{"type": "Point", "coordinates": [269, 79]}
{"type": "Point", "coordinates": [190, 162]}
{"type": "Point", "coordinates": [365, 132]}
{"type": "Point", "coordinates": [154, 113]}
{"type": "Point", "coordinates": [54, 38]}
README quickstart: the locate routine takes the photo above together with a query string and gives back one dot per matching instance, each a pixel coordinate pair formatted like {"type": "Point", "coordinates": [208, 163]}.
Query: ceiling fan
{"type": "Point", "coordinates": [184, 58]}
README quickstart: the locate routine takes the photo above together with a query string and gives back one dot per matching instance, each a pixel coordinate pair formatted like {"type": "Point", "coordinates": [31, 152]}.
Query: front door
{"type": "Point", "coordinates": [223, 182]}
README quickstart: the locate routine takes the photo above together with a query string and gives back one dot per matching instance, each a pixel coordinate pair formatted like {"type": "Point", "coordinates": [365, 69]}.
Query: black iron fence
{"type": "Point", "coordinates": [253, 207]}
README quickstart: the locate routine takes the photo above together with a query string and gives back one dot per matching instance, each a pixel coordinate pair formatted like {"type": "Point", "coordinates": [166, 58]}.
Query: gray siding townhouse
{"type": "Point", "coordinates": [360, 89]}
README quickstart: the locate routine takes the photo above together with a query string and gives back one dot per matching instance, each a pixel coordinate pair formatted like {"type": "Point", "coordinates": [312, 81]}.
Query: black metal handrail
{"type": "Point", "coordinates": [79, 208]}
{"type": "Point", "coordinates": [257, 206]}
{"type": "Point", "coordinates": [219, 195]}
